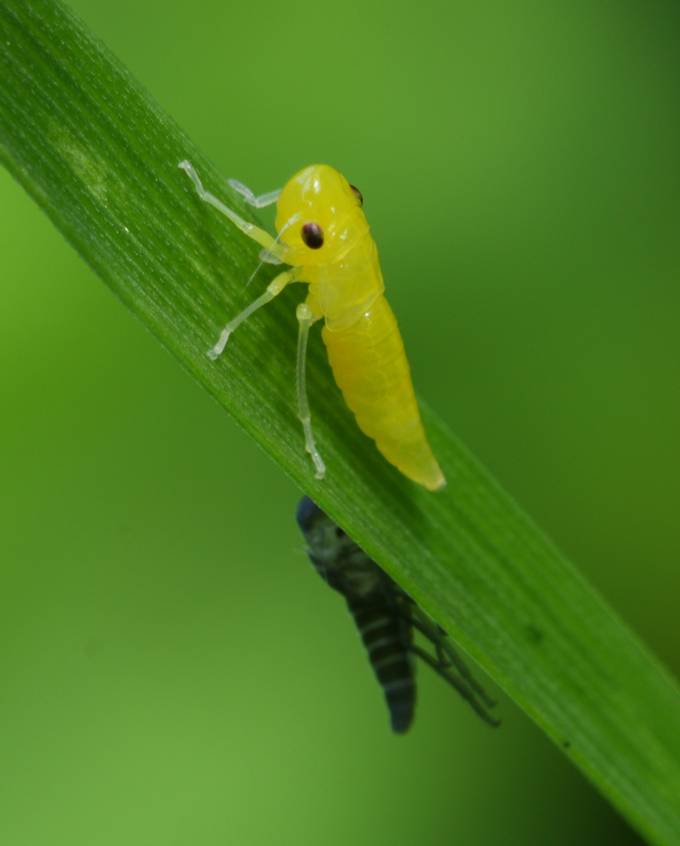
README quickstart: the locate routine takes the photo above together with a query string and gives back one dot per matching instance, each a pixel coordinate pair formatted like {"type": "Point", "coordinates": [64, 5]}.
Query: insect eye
{"type": "Point", "coordinates": [312, 235]}
{"type": "Point", "coordinates": [357, 193]}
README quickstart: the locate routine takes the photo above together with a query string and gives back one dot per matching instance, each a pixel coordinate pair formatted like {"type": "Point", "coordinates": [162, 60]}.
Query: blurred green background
{"type": "Point", "coordinates": [173, 671]}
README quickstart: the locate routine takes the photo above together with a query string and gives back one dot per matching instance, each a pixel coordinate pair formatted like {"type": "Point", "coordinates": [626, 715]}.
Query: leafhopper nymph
{"type": "Point", "coordinates": [386, 618]}
{"type": "Point", "coordinates": [324, 238]}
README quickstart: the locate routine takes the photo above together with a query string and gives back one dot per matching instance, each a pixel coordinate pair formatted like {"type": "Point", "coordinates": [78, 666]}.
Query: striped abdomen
{"type": "Point", "coordinates": [387, 638]}
{"type": "Point", "coordinates": [386, 619]}
{"type": "Point", "coordinates": [370, 367]}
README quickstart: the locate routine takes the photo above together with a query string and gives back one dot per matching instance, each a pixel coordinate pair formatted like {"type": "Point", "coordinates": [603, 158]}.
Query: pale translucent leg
{"type": "Point", "coordinates": [264, 239]}
{"type": "Point", "coordinates": [258, 202]}
{"type": "Point", "coordinates": [305, 319]}
{"type": "Point", "coordinates": [273, 289]}
{"type": "Point", "coordinates": [267, 258]}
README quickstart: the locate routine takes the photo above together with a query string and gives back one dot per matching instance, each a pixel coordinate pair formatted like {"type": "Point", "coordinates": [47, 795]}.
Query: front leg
{"type": "Point", "coordinates": [260, 201]}
{"type": "Point", "coordinates": [264, 239]}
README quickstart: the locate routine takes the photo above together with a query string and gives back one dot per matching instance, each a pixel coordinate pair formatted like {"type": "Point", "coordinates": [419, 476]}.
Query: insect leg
{"type": "Point", "coordinates": [446, 654]}
{"type": "Point", "coordinates": [460, 684]}
{"type": "Point", "coordinates": [267, 258]}
{"type": "Point", "coordinates": [305, 318]}
{"type": "Point", "coordinates": [274, 288]}
{"type": "Point", "coordinates": [258, 202]}
{"type": "Point", "coordinates": [263, 238]}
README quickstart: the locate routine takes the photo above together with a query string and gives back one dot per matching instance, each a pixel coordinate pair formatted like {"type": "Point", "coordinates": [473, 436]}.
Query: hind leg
{"type": "Point", "coordinates": [305, 317]}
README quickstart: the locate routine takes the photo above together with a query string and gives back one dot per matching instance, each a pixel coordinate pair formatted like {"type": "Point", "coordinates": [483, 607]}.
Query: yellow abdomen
{"type": "Point", "coordinates": [370, 367]}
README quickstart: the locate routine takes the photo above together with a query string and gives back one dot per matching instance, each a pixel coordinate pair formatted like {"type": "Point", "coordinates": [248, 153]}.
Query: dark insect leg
{"type": "Point", "coordinates": [460, 684]}
{"type": "Point", "coordinates": [446, 653]}
{"type": "Point", "coordinates": [447, 658]}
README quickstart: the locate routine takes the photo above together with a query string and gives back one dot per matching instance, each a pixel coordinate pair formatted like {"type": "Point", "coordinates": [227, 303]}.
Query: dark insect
{"type": "Point", "coordinates": [386, 618]}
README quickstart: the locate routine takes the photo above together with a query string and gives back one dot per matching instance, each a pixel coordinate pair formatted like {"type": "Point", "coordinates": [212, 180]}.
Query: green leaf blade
{"type": "Point", "coordinates": [101, 159]}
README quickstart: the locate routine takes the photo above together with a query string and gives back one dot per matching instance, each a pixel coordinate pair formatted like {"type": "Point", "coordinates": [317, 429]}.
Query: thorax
{"type": "Point", "coordinates": [343, 290]}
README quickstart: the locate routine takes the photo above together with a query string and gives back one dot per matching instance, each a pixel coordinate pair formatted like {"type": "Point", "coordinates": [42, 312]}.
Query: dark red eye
{"type": "Point", "coordinates": [312, 235]}
{"type": "Point", "coordinates": [357, 193]}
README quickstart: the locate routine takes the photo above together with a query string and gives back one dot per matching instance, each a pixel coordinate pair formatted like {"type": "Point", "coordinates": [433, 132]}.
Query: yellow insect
{"type": "Point", "coordinates": [324, 236]}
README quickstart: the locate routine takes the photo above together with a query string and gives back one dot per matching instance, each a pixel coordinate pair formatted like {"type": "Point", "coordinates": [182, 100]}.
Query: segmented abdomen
{"type": "Point", "coordinates": [387, 638]}
{"type": "Point", "coordinates": [370, 367]}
